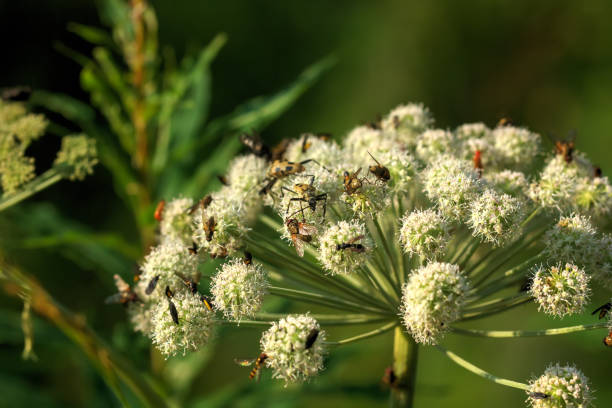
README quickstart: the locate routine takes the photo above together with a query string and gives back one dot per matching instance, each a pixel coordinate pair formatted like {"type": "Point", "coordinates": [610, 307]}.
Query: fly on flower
{"type": "Point", "coordinates": [255, 145]}
{"type": "Point", "coordinates": [209, 227]}
{"type": "Point", "coordinates": [565, 148]}
{"type": "Point", "coordinates": [203, 204]}
{"type": "Point", "coordinates": [351, 245]}
{"type": "Point", "coordinates": [152, 285]}
{"type": "Point", "coordinates": [172, 306]}
{"type": "Point", "coordinates": [306, 193]}
{"type": "Point", "coordinates": [311, 338]}
{"type": "Point", "coordinates": [381, 172]}
{"type": "Point", "coordinates": [352, 182]}
{"type": "Point", "coordinates": [255, 372]}
{"type": "Point", "coordinates": [300, 232]}
{"type": "Point", "coordinates": [125, 296]}
{"type": "Point", "coordinates": [280, 169]}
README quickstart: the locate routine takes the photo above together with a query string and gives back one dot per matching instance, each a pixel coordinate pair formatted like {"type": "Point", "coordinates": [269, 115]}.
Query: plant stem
{"type": "Point", "coordinates": [41, 182]}
{"type": "Point", "coordinates": [529, 333]}
{"type": "Point", "coordinates": [366, 335]}
{"type": "Point", "coordinates": [405, 353]}
{"type": "Point", "coordinates": [479, 371]}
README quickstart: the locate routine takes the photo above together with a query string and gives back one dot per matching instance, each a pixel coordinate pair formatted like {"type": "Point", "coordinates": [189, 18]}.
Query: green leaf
{"type": "Point", "coordinates": [258, 112]}
{"type": "Point", "coordinates": [185, 105]}
{"type": "Point", "coordinates": [92, 34]}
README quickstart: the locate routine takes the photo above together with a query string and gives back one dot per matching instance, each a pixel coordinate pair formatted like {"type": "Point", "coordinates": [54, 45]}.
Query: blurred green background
{"type": "Point", "coordinates": [547, 65]}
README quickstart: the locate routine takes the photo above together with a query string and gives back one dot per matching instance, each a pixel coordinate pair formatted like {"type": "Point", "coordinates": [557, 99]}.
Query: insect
{"type": "Point", "coordinates": [152, 285]}
{"type": "Point", "coordinates": [565, 147]}
{"type": "Point", "coordinates": [220, 252]}
{"type": "Point", "coordinates": [125, 296]}
{"type": "Point", "coordinates": [193, 249]}
{"type": "Point", "coordinates": [526, 285]}
{"type": "Point", "coordinates": [300, 233]}
{"type": "Point", "coordinates": [538, 395]}
{"type": "Point", "coordinates": [209, 227]}
{"type": "Point", "coordinates": [389, 377]}
{"type": "Point", "coordinates": [159, 210]}
{"type": "Point", "coordinates": [254, 143]}
{"type": "Point", "coordinates": [608, 340]}
{"type": "Point", "coordinates": [504, 122]}
{"type": "Point", "coordinates": [171, 306]}
{"type": "Point", "coordinates": [249, 362]}
{"type": "Point", "coordinates": [16, 94]}
{"type": "Point", "coordinates": [222, 179]}
{"type": "Point", "coordinates": [203, 203]}
{"type": "Point", "coordinates": [282, 168]}
{"type": "Point", "coordinates": [306, 193]}
{"type": "Point", "coordinates": [597, 173]}
{"type": "Point", "coordinates": [350, 245]}
{"type": "Point", "coordinates": [207, 302]}
{"type": "Point", "coordinates": [478, 163]}
{"type": "Point", "coordinates": [381, 172]}
{"type": "Point", "coordinates": [191, 284]}
{"type": "Point", "coordinates": [248, 258]}
{"type": "Point", "coordinates": [603, 310]}
{"type": "Point", "coordinates": [311, 338]}
{"type": "Point", "coordinates": [278, 151]}
{"type": "Point", "coordinates": [352, 182]}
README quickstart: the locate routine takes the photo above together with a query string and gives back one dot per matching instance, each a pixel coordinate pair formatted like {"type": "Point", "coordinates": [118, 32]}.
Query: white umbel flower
{"type": "Point", "coordinates": [222, 226]}
{"type": "Point", "coordinates": [406, 122]}
{"type": "Point", "coordinates": [238, 289]}
{"type": "Point", "coordinates": [424, 233]}
{"type": "Point", "coordinates": [194, 327]}
{"type": "Point", "coordinates": [294, 347]}
{"type": "Point", "coordinates": [560, 290]}
{"type": "Point", "coordinates": [432, 299]}
{"type": "Point", "coordinates": [368, 200]}
{"type": "Point", "coordinates": [573, 239]}
{"type": "Point", "coordinates": [434, 142]}
{"type": "Point", "coordinates": [245, 176]}
{"type": "Point", "coordinates": [79, 154]}
{"type": "Point", "coordinates": [337, 259]}
{"type": "Point", "coordinates": [363, 141]}
{"type": "Point", "coordinates": [565, 386]}
{"type": "Point", "coordinates": [594, 196]}
{"type": "Point", "coordinates": [509, 182]}
{"type": "Point", "coordinates": [162, 265]}
{"type": "Point", "coordinates": [516, 147]}
{"type": "Point", "coordinates": [176, 223]}
{"type": "Point", "coordinates": [402, 170]}
{"type": "Point", "coordinates": [495, 217]}
{"type": "Point", "coordinates": [452, 184]}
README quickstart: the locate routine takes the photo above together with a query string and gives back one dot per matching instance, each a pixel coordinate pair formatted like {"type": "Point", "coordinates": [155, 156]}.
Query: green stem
{"type": "Point", "coordinates": [479, 371]}
{"type": "Point", "coordinates": [472, 315]}
{"type": "Point", "coordinates": [41, 182]}
{"type": "Point", "coordinates": [405, 354]}
{"type": "Point", "coordinates": [362, 336]}
{"type": "Point", "coordinates": [331, 319]}
{"type": "Point", "coordinates": [387, 249]}
{"type": "Point", "coordinates": [374, 277]}
{"type": "Point", "coordinates": [528, 333]}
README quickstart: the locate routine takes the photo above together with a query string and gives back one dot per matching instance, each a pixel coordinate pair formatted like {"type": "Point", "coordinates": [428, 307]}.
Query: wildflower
{"type": "Point", "coordinates": [238, 289]}
{"type": "Point", "coordinates": [560, 290]}
{"type": "Point", "coordinates": [176, 223]}
{"type": "Point", "coordinates": [432, 299]}
{"type": "Point", "coordinates": [78, 153]}
{"type": "Point", "coordinates": [338, 259]}
{"type": "Point", "coordinates": [452, 184]}
{"type": "Point", "coordinates": [495, 217]}
{"type": "Point", "coordinates": [424, 233]}
{"type": "Point", "coordinates": [573, 239]}
{"type": "Point", "coordinates": [194, 327]}
{"type": "Point", "coordinates": [434, 142]}
{"type": "Point", "coordinates": [564, 386]}
{"type": "Point", "coordinates": [517, 147]}
{"type": "Point", "coordinates": [405, 122]}
{"type": "Point", "coordinates": [510, 182]}
{"type": "Point", "coordinates": [292, 353]}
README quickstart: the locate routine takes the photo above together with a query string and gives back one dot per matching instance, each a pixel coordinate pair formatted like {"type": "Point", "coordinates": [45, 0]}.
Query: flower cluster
{"type": "Point", "coordinates": [399, 222]}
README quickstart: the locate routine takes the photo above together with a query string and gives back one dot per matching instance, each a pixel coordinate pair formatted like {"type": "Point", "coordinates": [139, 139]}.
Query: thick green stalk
{"type": "Point", "coordinates": [528, 333]}
{"type": "Point", "coordinates": [405, 353]}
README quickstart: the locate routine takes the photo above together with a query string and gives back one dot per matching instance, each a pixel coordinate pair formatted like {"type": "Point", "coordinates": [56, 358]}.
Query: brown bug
{"type": "Point", "coordinates": [193, 249]}
{"type": "Point", "coordinates": [171, 306]}
{"type": "Point", "coordinates": [222, 179]}
{"type": "Point", "coordinates": [203, 203]}
{"type": "Point", "coordinates": [220, 252]}
{"type": "Point", "coordinates": [311, 338]}
{"type": "Point", "coordinates": [608, 340]}
{"type": "Point", "coordinates": [191, 284]}
{"type": "Point", "coordinates": [159, 210]}
{"type": "Point", "coordinates": [381, 172]}
{"type": "Point", "coordinates": [300, 233]}
{"type": "Point", "coordinates": [209, 227]}
{"type": "Point", "coordinates": [504, 122]}
{"type": "Point", "coordinates": [280, 169]}
{"type": "Point", "coordinates": [248, 258]}
{"type": "Point", "coordinates": [603, 310]}
{"type": "Point", "coordinates": [278, 151]}
{"type": "Point", "coordinates": [538, 395]}
{"type": "Point", "coordinates": [255, 145]}
{"type": "Point", "coordinates": [597, 173]}
{"type": "Point", "coordinates": [350, 245]}
{"type": "Point", "coordinates": [125, 296]}
{"type": "Point", "coordinates": [306, 193]}
{"type": "Point", "coordinates": [565, 148]}
{"type": "Point", "coordinates": [352, 182]}
{"type": "Point", "coordinates": [248, 362]}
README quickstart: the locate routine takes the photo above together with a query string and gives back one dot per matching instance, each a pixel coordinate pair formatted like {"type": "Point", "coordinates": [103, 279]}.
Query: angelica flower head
{"type": "Point", "coordinates": [176, 223]}
{"type": "Point", "coordinates": [220, 228]}
{"type": "Point", "coordinates": [452, 184]}
{"type": "Point", "coordinates": [402, 170]}
{"type": "Point", "coordinates": [344, 247]}
{"type": "Point", "coordinates": [425, 233]}
{"type": "Point", "coordinates": [564, 386]}
{"type": "Point", "coordinates": [560, 290]}
{"type": "Point", "coordinates": [245, 174]}
{"type": "Point", "coordinates": [238, 289]}
{"type": "Point", "coordinates": [510, 182]}
{"type": "Point", "coordinates": [294, 347]}
{"type": "Point", "coordinates": [516, 147]}
{"type": "Point", "coordinates": [78, 153]}
{"type": "Point", "coordinates": [433, 143]}
{"type": "Point", "coordinates": [432, 299]}
{"type": "Point", "coordinates": [165, 265]}
{"type": "Point", "coordinates": [573, 239]}
{"type": "Point", "coordinates": [593, 196]}
{"type": "Point", "coordinates": [406, 122]}
{"type": "Point", "coordinates": [368, 200]}
{"type": "Point", "coordinates": [470, 131]}
{"type": "Point", "coordinates": [495, 217]}
{"type": "Point", "coordinates": [193, 330]}
{"type": "Point", "coordinates": [363, 141]}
